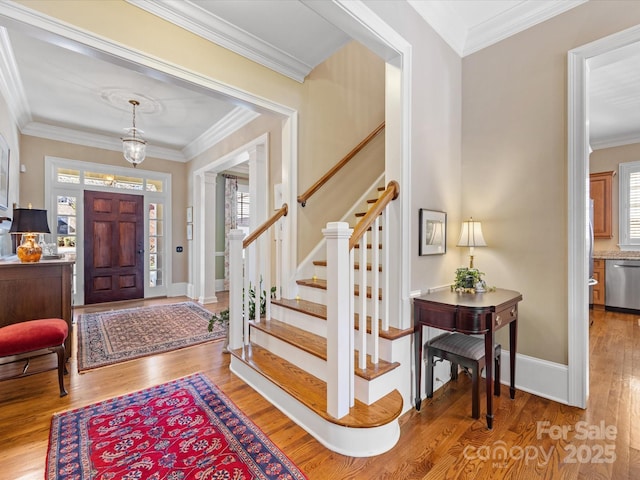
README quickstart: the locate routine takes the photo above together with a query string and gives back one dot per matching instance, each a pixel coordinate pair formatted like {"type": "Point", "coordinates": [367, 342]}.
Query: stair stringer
{"type": "Point", "coordinates": [354, 442]}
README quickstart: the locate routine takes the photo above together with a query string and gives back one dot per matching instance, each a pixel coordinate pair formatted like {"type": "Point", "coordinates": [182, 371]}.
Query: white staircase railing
{"type": "Point", "coordinates": [341, 308]}
{"type": "Point", "coordinates": [250, 271]}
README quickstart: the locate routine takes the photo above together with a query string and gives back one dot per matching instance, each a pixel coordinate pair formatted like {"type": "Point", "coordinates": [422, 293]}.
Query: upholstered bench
{"type": "Point", "coordinates": [32, 335]}
{"type": "Point", "coordinates": [467, 351]}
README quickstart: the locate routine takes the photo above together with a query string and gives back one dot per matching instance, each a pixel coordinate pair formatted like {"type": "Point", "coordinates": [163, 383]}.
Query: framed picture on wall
{"type": "Point", "coordinates": [433, 232]}
{"type": "Point", "coordinates": [4, 173]}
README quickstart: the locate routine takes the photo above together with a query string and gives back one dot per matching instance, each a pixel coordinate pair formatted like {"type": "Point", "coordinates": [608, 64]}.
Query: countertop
{"type": "Point", "coordinates": [616, 255]}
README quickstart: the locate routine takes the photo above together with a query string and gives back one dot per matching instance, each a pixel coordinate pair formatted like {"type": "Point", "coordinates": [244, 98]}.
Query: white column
{"type": "Point", "coordinates": [339, 319]}
{"type": "Point", "coordinates": [207, 236]}
{"type": "Point", "coordinates": [236, 267]}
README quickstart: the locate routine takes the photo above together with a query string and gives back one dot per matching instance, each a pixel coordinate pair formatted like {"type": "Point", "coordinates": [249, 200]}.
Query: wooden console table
{"type": "Point", "coordinates": [31, 291]}
{"type": "Point", "coordinates": [479, 313]}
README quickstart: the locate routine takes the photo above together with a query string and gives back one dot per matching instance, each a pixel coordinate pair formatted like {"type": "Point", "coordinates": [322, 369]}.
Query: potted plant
{"type": "Point", "coordinates": [222, 318]}
{"type": "Point", "coordinates": [469, 280]}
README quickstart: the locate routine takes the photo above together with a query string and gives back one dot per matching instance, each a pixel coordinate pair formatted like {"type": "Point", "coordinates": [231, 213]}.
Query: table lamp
{"type": "Point", "coordinates": [471, 236]}
{"type": "Point", "coordinates": [29, 222]}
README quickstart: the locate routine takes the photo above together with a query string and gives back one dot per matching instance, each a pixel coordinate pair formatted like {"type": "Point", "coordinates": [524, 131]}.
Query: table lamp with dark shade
{"type": "Point", "coordinates": [29, 222]}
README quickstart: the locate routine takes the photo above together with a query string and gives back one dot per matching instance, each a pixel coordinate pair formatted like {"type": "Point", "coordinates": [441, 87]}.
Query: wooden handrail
{"type": "Point", "coordinates": [265, 226]}
{"type": "Point", "coordinates": [302, 199]}
{"type": "Point", "coordinates": [391, 193]}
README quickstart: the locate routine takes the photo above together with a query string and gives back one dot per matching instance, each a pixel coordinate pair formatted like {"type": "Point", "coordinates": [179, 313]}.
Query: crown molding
{"type": "Point", "coordinates": [464, 41]}
{"type": "Point", "coordinates": [234, 120]}
{"type": "Point", "coordinates": [196, 20]}
{"type": "Point", "coordinates": [444, 21]}
{"type": "Point", "coordinates": [512, 21]}
{"type": "Point", "coordinates": [94, 140]}
{"type": "Point", "coordinates": [10, 82]}
{"type": "Point", "coordinates": [615, 141]}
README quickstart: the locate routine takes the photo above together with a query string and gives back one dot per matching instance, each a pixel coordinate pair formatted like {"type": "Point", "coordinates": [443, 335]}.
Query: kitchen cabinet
{"type": "Point", "coordinates": [598, 289]}
{"type": "Point", "coordinates": [600, 189]}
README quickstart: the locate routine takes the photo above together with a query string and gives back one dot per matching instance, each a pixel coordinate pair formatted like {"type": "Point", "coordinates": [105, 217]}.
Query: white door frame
{"type": "Point", "coordinates": [256, 153]}
{"type": "Point", "coordinates": [578, 197]}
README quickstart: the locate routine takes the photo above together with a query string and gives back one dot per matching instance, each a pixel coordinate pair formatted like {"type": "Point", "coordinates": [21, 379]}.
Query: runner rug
{"type": "Point", "coordinates": [105, 338]}
{"type": "Point", "coordinates": [184, 429]}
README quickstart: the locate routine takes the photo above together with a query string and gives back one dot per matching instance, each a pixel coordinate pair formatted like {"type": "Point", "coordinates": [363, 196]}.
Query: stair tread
{"type": "Point", "coordinates": [356, 265]}
{"type": "Point", "coordinates": [312, 392]}
{"type": "Point", "coordinates": [321, 283]}
{"type": "Point", "coordinates": [320, 311]}
{"type": "Point", "coordinates": [317, 346]}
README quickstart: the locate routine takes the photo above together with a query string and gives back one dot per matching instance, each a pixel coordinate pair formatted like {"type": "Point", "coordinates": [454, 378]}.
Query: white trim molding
{"type": "Point", "coordinates": [578, 171]}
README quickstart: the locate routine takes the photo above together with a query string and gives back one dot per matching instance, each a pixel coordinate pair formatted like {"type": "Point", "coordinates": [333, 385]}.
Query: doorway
{"type": "Point", "coordinates": [114, 247]}
{"type": "Point", "coordinates": [578, 176]}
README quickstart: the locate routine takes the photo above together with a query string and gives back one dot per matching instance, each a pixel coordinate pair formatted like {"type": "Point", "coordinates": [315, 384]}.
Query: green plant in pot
{"type": "Point", "coordinates": [469, 280]}
{"type": "Point", "coordinates": [222, 318]}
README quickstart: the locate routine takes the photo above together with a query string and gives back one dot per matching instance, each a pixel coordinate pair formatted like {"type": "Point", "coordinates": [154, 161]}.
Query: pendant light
{"type": "Point", "coordinates": [133, 145]}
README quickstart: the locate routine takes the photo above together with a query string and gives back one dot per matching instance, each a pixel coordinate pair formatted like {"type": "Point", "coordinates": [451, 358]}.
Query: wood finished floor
{"type": "Point", "coordinates": [441, 441]}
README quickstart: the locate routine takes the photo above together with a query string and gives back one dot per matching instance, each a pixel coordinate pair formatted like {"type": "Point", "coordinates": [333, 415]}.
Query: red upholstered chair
{"type": "Point", "coordinates": [25, 337]}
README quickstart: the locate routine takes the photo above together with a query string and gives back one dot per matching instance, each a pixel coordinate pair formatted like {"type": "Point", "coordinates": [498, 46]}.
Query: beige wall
{"type": "Point", "coordinates": [606, 160]}
{"type": "Point", "coordinates": [34, 150]}
{"type": "Point", "coordinates": [343, 102]}
{"type": "Point", "coordinates": [514, 170]}
{"type": "Point", "coordinates": [9, 132]}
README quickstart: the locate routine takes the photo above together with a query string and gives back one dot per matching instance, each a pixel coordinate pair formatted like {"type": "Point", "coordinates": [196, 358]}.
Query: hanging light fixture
{"type": "Point", "coordinates": [133, 145]}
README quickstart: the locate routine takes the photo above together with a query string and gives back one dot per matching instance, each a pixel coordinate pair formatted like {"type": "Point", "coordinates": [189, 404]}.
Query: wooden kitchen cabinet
{"type": "Point", "coordinates": [598, 289]}
{"type": "Point", "coordinates": [601, 185]}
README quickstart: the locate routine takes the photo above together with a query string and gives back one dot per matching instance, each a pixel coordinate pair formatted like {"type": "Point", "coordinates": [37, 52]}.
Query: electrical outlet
{"type": "Point", "coordinates": [179, 249]}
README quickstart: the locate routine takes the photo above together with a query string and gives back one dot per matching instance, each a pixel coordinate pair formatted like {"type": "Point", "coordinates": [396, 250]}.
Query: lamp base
{"type": "Point", "coordinates": [29, 251]}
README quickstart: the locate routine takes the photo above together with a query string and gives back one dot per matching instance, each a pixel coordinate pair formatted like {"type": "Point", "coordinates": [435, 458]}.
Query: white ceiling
{"type": "Point", "coordinates": [62, 94]}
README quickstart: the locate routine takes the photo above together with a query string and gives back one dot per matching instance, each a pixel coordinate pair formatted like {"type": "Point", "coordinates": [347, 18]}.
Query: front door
{"type": "Point", "coordinates": [114, 252]}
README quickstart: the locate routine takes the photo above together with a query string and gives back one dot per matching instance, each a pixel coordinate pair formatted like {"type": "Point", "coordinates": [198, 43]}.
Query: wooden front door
{"type": "Point", "coordinates": [114, 251]}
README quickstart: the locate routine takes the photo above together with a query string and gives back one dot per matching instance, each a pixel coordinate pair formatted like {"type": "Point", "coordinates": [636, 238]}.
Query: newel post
{"type": "Point", "coordinates": [236, 273]}
{"type": "Point", "coordinates": [339, 320]}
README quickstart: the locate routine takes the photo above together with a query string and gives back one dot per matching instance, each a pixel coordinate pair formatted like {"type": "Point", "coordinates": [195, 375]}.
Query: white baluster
{"type": "Point", "coordinates": [375, 250]}
{"type": "Point", "coordinates": [362, 362]}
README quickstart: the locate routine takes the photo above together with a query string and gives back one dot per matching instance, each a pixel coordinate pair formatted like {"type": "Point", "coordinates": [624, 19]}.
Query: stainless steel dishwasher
{"type": "Point", "coordinates": [622, 284]}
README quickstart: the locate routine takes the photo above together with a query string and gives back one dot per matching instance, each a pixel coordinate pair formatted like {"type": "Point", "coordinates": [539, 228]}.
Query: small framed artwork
{"type": "Point", "coordinates": [189, 231]}
{"type": "Point", "coordinates": [4, 174]}
{"type": "Point", "coordinates": [189, 214]}
{"type": "Point", "coordinates": [433, 232]}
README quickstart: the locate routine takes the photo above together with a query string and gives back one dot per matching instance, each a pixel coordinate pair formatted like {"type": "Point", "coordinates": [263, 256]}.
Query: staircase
{"type": "Point", "coordinates": [286, 361]}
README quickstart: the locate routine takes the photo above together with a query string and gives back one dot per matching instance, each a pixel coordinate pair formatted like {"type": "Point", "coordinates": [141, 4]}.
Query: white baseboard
{"type": "Point", "coordinates": [539, 377]}
{"type": "Point", "coordinates": [180, 289]}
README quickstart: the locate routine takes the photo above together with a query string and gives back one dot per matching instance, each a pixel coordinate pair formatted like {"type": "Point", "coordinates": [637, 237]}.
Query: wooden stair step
{"type": "Point", "coordinates": [317, 346]}
{"type": "Point", "coordinates": [321, 283]}
{"type": "Point", "coordinates": [356, 266]}
{"type": "Point", "coordinates": [320, 311]}
{"type": "Point", "coordinates": [305, 306]}
{"type": "Point", "coordinates": [391, 334]}
{"type": "Point", "coordinates": [357, 245]}
{"type": "Point", "coordinates": [312, 392]}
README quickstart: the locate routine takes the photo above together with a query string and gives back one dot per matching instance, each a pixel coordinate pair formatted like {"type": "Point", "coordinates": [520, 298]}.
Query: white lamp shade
{"type": "Point", "coordinates": [471, 235]}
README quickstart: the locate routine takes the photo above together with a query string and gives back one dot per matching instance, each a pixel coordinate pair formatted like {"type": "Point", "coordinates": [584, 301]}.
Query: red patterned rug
{"type": "Point", "coordinates": [106, 338]}
{"type": "Point", "coordinates": [184, 429]}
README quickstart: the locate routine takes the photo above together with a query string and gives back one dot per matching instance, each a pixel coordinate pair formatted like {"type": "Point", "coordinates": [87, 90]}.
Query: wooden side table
{"type": "Point", "coordinates": [471, 314]}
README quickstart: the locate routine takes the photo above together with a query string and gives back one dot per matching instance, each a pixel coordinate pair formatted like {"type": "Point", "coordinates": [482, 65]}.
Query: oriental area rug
{"type": "Point", "coordinates": [105, 338]}
{"type": "Point", "coordinates": [184, 429]}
